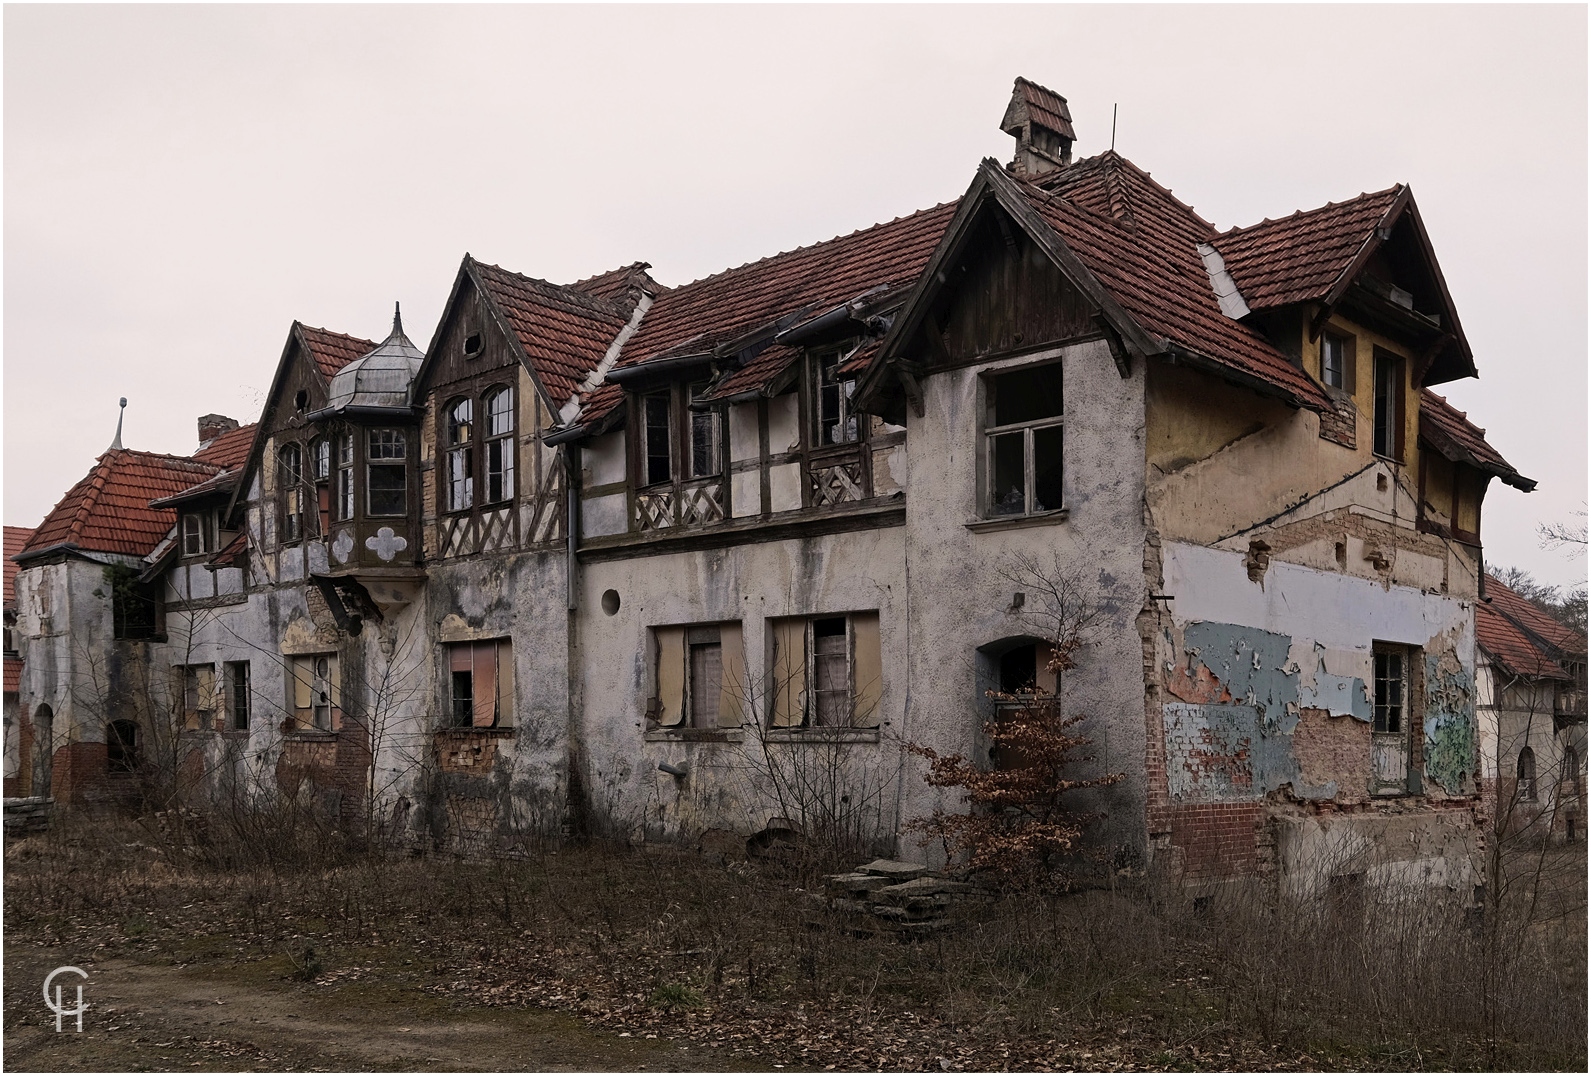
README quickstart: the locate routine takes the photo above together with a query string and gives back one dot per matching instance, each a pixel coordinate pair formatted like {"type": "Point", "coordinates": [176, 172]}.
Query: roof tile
{"type": "Point", "coordinates": [332, 350]}
{"type": "Point", "coordinates": [1451, 431]}
{"type": "Point", "coordinates": [108, 510]}
{"type": "Point", "coordinates": [230, 449]}
{"type": "Point", "coordinates": [16, 538]}
{"type": "Point", "coordinates": [1527, 615]}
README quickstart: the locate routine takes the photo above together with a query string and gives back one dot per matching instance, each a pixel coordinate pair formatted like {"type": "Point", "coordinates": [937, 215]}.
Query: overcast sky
{"type": "Point", "coordinates": [181, 183]}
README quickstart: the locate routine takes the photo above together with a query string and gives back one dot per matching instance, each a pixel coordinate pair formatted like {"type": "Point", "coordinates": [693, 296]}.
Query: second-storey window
{"type": "Point", "coordinates": [320, 478]}
{"type": "Point", "coordinates": [1388, 406]}
{"type": "Point", "coordinates": [387, 481]}
{"type": "Point", "coordinates": [657, 443]}
{"type": "Point", "coordinates": [460, 484]}
{"type": "Point", "coordinates": [290, 480]}
{"type": "Point", "coordinates": [198, 533]}
{"type": "Point", "coordinates": [1023, 441]}
{"type": "Point", "coordinates": [837, 424]}
{"type": "Point", "coordinates": [499, 445]}
{"type": "Point", "coordinates": [704, 437]}
{"type": "Point", "coordinates": [1337, 361]}
{"type": "Point", "coordinates": [345, 476]}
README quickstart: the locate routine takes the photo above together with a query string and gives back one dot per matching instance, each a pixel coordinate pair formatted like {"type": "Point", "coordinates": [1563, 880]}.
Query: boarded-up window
{"type": "Point", "coordinates": [700, 676]}
{"type": "Point", "coordinates": [317, 691]}
{"type": "Point", "coordinates": [827, 672]}
{"type": "Point", "coordinates": [481, 684]}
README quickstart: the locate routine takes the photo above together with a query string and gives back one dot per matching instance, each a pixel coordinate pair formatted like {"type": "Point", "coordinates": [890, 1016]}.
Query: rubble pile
{"type": "Point", "coordinates": [908, 898]}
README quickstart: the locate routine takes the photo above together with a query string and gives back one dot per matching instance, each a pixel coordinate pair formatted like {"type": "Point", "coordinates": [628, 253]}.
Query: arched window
{"type": "Point", "coordinates": [289, 480]}
{"type": "Point", "coordinates": [499, 406]}
{"type": "Point", "coordinates": [121, 747]}
{"type": "Point", "coordinates": [1525, 783]}
{"type": "Point", "coordinates": [460, 434]}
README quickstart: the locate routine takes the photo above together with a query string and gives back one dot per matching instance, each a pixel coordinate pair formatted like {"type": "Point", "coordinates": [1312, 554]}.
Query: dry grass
{"type": "Point", "coordinates": [742, 957]}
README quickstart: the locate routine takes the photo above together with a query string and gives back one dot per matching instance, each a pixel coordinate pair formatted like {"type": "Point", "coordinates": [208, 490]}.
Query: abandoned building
{"type": "Point", "coordinates": [1531, 706]}
{"type": "Point", "coordinates": [692, 563]}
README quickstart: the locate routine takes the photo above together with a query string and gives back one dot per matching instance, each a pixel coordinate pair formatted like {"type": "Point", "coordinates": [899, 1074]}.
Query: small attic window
{"type": "Point", "coordinates": [300, 400]}
{"type": "Point", "coordinates": [472, 345]}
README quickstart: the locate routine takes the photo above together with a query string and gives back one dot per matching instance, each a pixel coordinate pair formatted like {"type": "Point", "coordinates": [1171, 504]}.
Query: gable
{"type": "Point", "coordinates": [1005, 294]}
{"type": "Point", "coordinates": [469, 346]}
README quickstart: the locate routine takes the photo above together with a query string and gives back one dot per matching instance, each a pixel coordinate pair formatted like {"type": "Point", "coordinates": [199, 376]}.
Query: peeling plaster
{"type": "Point", "coordinates": [1449, 723]}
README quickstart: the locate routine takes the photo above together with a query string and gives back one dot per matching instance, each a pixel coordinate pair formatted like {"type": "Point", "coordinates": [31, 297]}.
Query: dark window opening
{"type": "Point", "coordinates": [289, 479]}
{"type": "Point", "coordinates": [472, 345]}
{"type": "Point", "coordinates": [237, 686]}
{"type": "Point", "coordinates": [135, 606]}
{"type": "Point", "coordinates": [704, 438]}
{"type": "Point", "coordinates": [658, 443]}
{"type": "Point", "coordinates": [1024, 430]}
{"type": "Point", "coordinates": [837, 424]}
{"type": "Point", "coordinates": [831, 671]}
{"type": "Point", "coordinates": [463, 698]}
{"type": "Point", "coordinates": [1018, 669]}
{"type": "Point", "coordinates": [1388, 406]}
{"type": "Point", "coordinates": [1390, 692]}
{"type": "Point", "coordinates": [388, 484]}
{"type": "Point", "coordinates": [1525, 776]}
{"type": "Point", "coordinates": [300, 400]}
{"type": "Point", "coordinates": [121, 748]}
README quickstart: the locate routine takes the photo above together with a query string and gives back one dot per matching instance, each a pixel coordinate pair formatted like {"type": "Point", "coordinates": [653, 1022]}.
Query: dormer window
{"type": "Point", "coordinates": [198, 533]}
{"type": "Point", "coordinates": [657, 441]}
{"type": "Point", "coordinates": [386, 460]}
{"type": "Point", "coordinates": [1337, 361]}
{"type": "Point", "coordinates": [499, 405]}
{"type": "Point", "coordinates": [704, 437]}
{"type": "Point", "coordinates": [460, 434]}
{"type": "Point", "coordinates": [836, 423]}
{"type": "Point", "coordinates": [1388, 439]}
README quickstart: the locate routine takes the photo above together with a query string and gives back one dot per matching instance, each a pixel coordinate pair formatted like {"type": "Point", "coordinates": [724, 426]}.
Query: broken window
{"type": "Point", "coordinates": [199, 701]}
{"type": "Point", "coordinates": [1022, 429]}
{"type": "Point", "coordinates": [1389, 741]}
{"type": "Point", "coordinates": [700, 676]}
{"type": "Point", "coordinates": [320, 481]}
{"type": "Point", "coordinates": [345, 476]}
{"type": "Point", "coordinates": [1525, 776]}
{"type": "Point", "coordinates": [237, 694]}
{"type": "Point", "coordinates": [289, 480]}
{"type": "Point", "coordinates": [499, 405]}
{"type": "Point", "coordinates": [481, 684]}
{"type": "Point", "coordinates": [198, 533]}
{"type": "Point", "coordinates": [837, 424]}
{"type": "Point", "coordinates": [121, 748]}
{"type": "Point", "coordinates": [704, 436]}
{"type": "Point", "coordinates": [387, 479]}
{"type": "Point", "coordinates": [1388, 436]}
{"type": "Point", "coordinates": [316, 691]}
{"type": "Point", "coordinates": [1337, 361]}
{"type": "Point", "coordinates": [460, 483]}
{"type": "Point", "coordinates": [826, 672]}
{"type": "Point", "coordinates": [657, 441]}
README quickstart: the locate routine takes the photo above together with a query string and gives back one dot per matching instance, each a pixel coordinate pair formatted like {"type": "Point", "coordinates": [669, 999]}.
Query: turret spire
{"type": "Point", "coordinates": [397, 320]}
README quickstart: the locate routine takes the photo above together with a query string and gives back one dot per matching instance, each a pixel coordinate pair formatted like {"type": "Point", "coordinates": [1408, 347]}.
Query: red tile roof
{"type": "Point", "coordinates": [13, 675]}
{"type": "Point", "coordinates": [1451, 433]}
{"type": "Point", "coordinates": [332, 351]}
{"type": "Point", "coordinates": [1529, 616]}
{"type": "Point", "coordinates": [15, 539]}
{"type": "Point", "coordinates": [564, 332]}
{"type": "Point", "coordinates": [620, 285]}
{"type": "Point", "coordinates": [1046, 107]}
{"type": "Point", "coordinates": [1299, 258]}
{"type": "Point", "coordinates": [230, 449]}
{"type": "Point", "coordinates": [108, 510]}
{"type": "Point", "coordinates": [760, 371]}
{"type": "Point", "coordinates": [1510, 647]}
{"type": "Point", "coordinates": [1147, 258]}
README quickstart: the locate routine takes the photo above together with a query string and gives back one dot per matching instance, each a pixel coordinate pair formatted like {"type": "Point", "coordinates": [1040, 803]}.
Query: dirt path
{"type": "Point", "coordinates": [149, 1016]}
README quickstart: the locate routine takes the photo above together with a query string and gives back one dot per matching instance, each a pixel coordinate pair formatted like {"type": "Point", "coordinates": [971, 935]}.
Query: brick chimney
{"type": "Point", "coordinates": [1042, 125]}
{"type": "Point", "coordinates": [213, 426]}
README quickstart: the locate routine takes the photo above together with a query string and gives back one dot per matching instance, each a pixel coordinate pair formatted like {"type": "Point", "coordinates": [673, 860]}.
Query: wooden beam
{"type": "Point", "coordinates": [914, 390]}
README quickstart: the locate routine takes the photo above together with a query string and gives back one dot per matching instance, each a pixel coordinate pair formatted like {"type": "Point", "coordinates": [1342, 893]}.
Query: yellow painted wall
{"type": "Point", "coordinates": [1191, 415]}
{"type": "Point", "coordinates": [1365, 344]}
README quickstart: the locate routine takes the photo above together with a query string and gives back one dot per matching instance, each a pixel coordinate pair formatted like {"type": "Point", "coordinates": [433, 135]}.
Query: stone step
{"type": "Point", "coordinates": [894, 869]}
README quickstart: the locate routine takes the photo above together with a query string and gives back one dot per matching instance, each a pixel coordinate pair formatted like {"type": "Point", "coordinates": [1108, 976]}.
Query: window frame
{"type": "Point", "coordinates": [122, 759]}
{"type": "Point", "coordinates": [457, 487]}
{"type": "Point", "coordinates": [1525, 783]}
{"type": "Point", "coordinates": [501, 443]}
{"type": "Point", "coordinates": [807, 695]}
{"type": "Point", "coordinates": [345, 466]}
{"type": "Point", "coordinates": [503, 683]}
{"type": "Point", "coordinates": [196, 716]}
{"type": "Point", "coordinates": [1346, 358]}
{"type": "Point", "coordinates": [239, 699]}
{"type": "Point", "coordinates": [373, 461]}
{"type": "Point", "coordinates": [199, 538]}
{"type": "Point", "coordinates": [1387, 416]}
{"type": "Point", "coordinates": [646, 443]}
{"type": "Point", "coordinates": [1028, 429]}
{"type": "Point", "coordinates": [698, 419]}
{"type": "Point", "coordinates": [1385, 739]}
{"type": "Point", "coordinates": [822, 363]}
{"type": "Point", "coordinates": [290, 492]}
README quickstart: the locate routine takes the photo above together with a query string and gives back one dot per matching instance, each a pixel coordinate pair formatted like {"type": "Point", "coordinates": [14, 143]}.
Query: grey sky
{"type": "Point", "coordinates": [182, 182]}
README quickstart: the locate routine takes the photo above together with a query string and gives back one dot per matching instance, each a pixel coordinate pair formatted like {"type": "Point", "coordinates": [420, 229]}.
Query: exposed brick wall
{"type": "Point", "coordinates": [1333, 750]}
{"type": "Point", "coordinates": [22, 783]}
{"type": "Point", "coordinates": [78, 771]}
{"type": "Point", "coordinates": [1218, 839]}
{"type": "Point", "coordinates": [1340, 425]}
{"type": "Point", "coordinates": [329, 763]}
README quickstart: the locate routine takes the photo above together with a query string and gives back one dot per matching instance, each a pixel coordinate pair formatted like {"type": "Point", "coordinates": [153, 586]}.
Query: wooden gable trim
{"type": "Point", "coordinates": [264, 425]}
{"type": "Point", "coordinates": [422, 376]}
{"type": "Point", "coordinates": [993, 186]}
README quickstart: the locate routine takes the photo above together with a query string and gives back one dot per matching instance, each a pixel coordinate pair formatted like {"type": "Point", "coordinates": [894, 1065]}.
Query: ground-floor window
{"type": "Point", "coordinates": [826, 671]}
{"type": "Point", "coordinates": [481, 684]}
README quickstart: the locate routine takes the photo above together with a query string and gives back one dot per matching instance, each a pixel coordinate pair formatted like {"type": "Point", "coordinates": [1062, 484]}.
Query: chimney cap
{"type": "Point", "coordinates": [213, 426]}
{"type": "Point", "coordinates": [1033, 105]}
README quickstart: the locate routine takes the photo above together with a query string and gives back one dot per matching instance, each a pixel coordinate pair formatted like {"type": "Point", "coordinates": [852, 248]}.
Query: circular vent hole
{"type": "Point", "coordinates": [610, 602]}
{"type": "Point", "coordinates": [472, 345]}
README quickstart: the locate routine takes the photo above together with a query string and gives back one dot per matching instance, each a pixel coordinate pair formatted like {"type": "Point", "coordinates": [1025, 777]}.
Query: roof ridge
{"type": "Point", "coordinates": [334, 332]}
{"type": "Point", "coordinates": [96, 485]}
{"type": "Point", "coordinates": [564, 290]}
{"type": "Point", "coordinates": [814, 245]}
{"type": "Point", "coordinates": [1362, 196]}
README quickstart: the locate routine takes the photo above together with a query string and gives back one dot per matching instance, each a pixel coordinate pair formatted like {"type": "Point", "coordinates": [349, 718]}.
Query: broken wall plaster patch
{"type": "Point", "coordinates": [1449, 726]}
{"type": "Point", "coordinates": [1253, 666]}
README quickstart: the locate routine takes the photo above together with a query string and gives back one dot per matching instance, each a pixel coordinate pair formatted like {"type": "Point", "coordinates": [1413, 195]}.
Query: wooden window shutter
{"type": "Point", "coordinates": [789, 687]}
{"type": "Point", "coordinates": [505, 682]}
{"type": "Point", "coordinates": [732, 689]}
{"type": "Point", "coordinates": [867, 670]}
{"type": "Point", "coordinates": [670, 675]}
{"type": "Point", "coordinates": [483, 675]}
{"type": "Point", "coordinates": [303, 686]}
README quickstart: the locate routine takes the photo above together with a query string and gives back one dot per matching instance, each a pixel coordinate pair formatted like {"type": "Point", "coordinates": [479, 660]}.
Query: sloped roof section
{"type": "Point", "coordinates": [1526, 615]}
{"type": "Point", "coordinates": [1299, 258]}
{"type": "Point", "coordinates": [108, 511]}
{"type": "Point", "coordinates": [564, 332]}
{"type": "Point", "coordinates": [230, 449]}
{"type": "Point", "coordinates": [1150, 264]}
{"type": "Point", "coordinates": [332, 350]}
{"type": "Point", "coordinates": [1510, 647]}
{"type": "Point", "coordinates": [1450, 432]}
{"type": "Point", "coordinates": [623, 285]}
{"type": "Point", "coordinates": [15, 539]}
